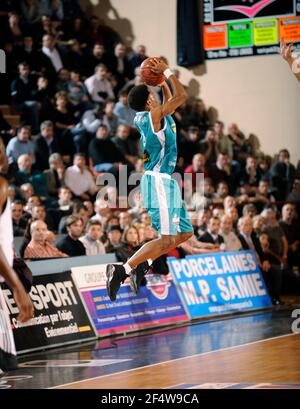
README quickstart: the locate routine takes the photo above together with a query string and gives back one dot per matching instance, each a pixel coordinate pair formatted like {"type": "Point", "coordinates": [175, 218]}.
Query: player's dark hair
{"type": "Point", "coordinates": [137, 97]}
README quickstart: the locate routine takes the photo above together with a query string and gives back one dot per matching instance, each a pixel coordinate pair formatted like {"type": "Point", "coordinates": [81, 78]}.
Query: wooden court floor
{"type": "Point", "coordinates": [267, 361]}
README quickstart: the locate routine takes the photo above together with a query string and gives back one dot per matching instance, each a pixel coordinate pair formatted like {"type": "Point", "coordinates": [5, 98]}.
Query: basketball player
{"type": "Point", "coordinates": [161, 194]}
{"type": "Point", "coordinates": [8, 359]}
{"type": "Point", "coordinates": [286, 52]}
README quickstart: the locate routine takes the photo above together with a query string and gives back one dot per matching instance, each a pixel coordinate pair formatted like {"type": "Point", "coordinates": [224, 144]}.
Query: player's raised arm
{"type": "Point", "coordinates": [286, 53]}
{"type": "Point", "coordinates": [179, 95]}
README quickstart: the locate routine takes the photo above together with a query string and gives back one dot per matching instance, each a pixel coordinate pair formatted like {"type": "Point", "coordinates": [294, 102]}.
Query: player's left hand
{"type": "Point", "coordinates": [159, 66]}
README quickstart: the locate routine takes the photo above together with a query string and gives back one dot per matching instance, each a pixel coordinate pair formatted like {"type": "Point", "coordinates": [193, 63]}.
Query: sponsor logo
{"type": "Point", "coordinates": [158, 285]}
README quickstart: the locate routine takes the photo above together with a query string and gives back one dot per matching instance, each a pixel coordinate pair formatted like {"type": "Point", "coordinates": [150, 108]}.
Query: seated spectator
{"type": "Point", "coordinates": [79, 179]}
{"type": "Point", "coordinates": [138, 57]}
{"type": "Point", "coordinates": [250, 173]}
{"type": "Point", "coordinates": [102, 210]}
{"type": "Point", "coordinates": [189, 146]}
{"type": "Point", "coordinates": [55, 175]}
{"type": "Point", "coordinates": [234, 214]}
{"type": "Point", "coordinates": [104, 153]}
{"type": "Point", "coordinates": [129, 244]}
{"type": "Point", "coordinates": [239, 145]}
{"type": "Point", "coordinates": [109, 118]}
{"type": "Point", "coordinates": [51, 59]}
{"type": "Point", "coordinates": [264, 196]}
{"type": "Point", "coordinates": [97, 57]}
{"type": "Point", "coordinates": [71, 245]}
{"type": "Point", "coordinates": [39, 246]}
{"type": "Point", "coordinates": [123, 144]}
{"type": "Point", "coordinates": [212, 234]}
{"type": "Point", "coordinates": [92, 239]}
{"type": "Point", "coordinates": [20, 145]}
{"type": "Point", "coordinates": [274, 275]}
{"type": "Point", "coordinates": [98, 85]}
{"type": "Point", "coordinates": [196, 168]}
{"type": "Point", "coordinates": [278, 242]}
{"type": "Point", "coordinates": [114, 235]}
{"type": "Point", "coordinates": [231, 241]}
{"type": "Point", "coordinates": [125, 219]}
{"type": "Point", "coordinates": [22, 89]}
{"type": "Point", "coordinates": [78, 93]}
{"type": "Point", "coordinates": [259, 224]}
{"type": "Point", "coordinates": [44, 145]}
{"type": "Point", "coordinates": [209, 147]}
{"type": "Point", "coordinates": [64, 199]}
{"type": "Point", "coordinates": [26, 191]}
{"type": "Point", "coordinates": [92, 119]}
{"type": "Point", "coordinates": [249, 210]}
{"type": "Point", "coordinates": [221, 193]}
{"type": "Point", "coordinates": [43, 96]}
{"type": "Point", "coordinates": [38, 212]}
{"type": "Point", "coordinates": [123, 111]}
{"type": "Point", "coordinates": [222, 171]}
{"type": "Point", "coordinates": [229, 201]}
{"type": "Point", "coordinates": [292, 234]}
{"type": "Point", "coordinates": [121, 66]}
{"type": "Point", "coordinates": [282, 175]}
{"type": "Point", "coordinates": [68, 127]}
{"type": "Point", "coordinates": [79, 211]}
{"type": "Point", "coordinates": [63, 78]}
{"type": "Point", "coordinates": [19, 223]}
{"type": "Point", "coordinates": [218, 211]}
{"type": "Point", "coordinates": [223, 142]}
{"type": "Point", "coordinates": [25, 174]}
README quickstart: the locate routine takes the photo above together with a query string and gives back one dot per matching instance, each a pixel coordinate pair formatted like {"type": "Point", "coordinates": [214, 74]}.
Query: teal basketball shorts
{"type": "Point", "coordinates": [162, 200]}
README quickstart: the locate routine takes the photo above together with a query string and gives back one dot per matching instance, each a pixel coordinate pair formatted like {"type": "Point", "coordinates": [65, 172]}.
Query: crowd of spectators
{"type": "Point", "coordinates": [68, 76]}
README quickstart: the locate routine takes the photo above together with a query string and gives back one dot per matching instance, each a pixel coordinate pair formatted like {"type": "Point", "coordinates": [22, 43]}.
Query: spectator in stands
{"type": "Point", "coordinates": [97, 57]}
{"type": "Point", "coordinates": [71, 245]}
{"type": "Point", "coordinates": [196, 168]}
{"type": "Point", "coordinates": [221, 193]}
{"type": "Point", "coordinates": [273, 276]}
{"type": "Point", "coordinates": [223, 142]}
{"type": "Point", "coordinates": [229, 201]}
{"type": "Point", "coordinates": [129, 244]}
{"type": "Point", "coordinates": [121, 66]}
{"type": "Point", "coordinates": [55, 175]}
{"type": "Point", "coordinates": [25, 174]}
{"type": "Point", "coordinates": [264, 196]}
{"type": "Point", "coordinates": [189, 146]}
{"type": "Point", "coordinates": [30, 12]}
{"type": "Point", "coordinates": [239, 146]}
{"type": "Point", "coordinates": [20, 145]}
{"type": "Point", "coordinates": [109, 118]}
{"type": "Point", "coordinates": [278, 241]}
{"type": "Point", "coordinates": [222, 171]}
{"type": "Point", "coordinates": [231, 241]}
{"type": "Point", "coordinates": [39, 213]}
{"type": "Point", "coordinates": [99, 32]}
{"type": "Point", "coordinates": [103, 152]}
{"type": "Point", "coordinates": [138, 57]}
{"type": "Point", "coordinates": [102, 210]}
{"type": "Point", "coordinates": [114, 235]}
{"type": "Point", "coordinates": [68, 127]}
{"type": "Point", "coordinates": [124, 146]}
{"type": "Point", "coordinates": [292, 234]}
{"type": "Point", "coordinates": [79, 179]}
{"type": "Point", "coordinates": [65, 199]}
{"type": "Point", "coordinates": [209, 146]}
{"type": "Point", "coordinates": [249, 210]}
{"type": "Point", "coordinates": [51, 59]}
{"type": "Point", "coordinates": [44, 145]}
{"type": "Point", "coordinates": [79, 211]}
{"type": "Point", "coordinates": [199, 117]}
{"type": "Point", "coordinates": [282, 175]}
{"type": "Point", "coordinates": [98, 85]}
{"type": "Point", "coordinates": [43, 96]}
{"type": "Point", "coordinates": [250, 173]}
{"type": "Point", "coordinates": [123, 111]}
{"type": "Point", "coordinates": [125, 219]}
{"type": "Point", "coordinates": [14, 32]}
{"type": "Point", "coordinates": [93, 118]}
{"type": "Point", "coordinates": [92, 239]}
{"type": "Point", "coordinates": [212, 234]}
{"type": "Point", "coordinates": [39, 246]}
{"type": "Point", "coordinates": [259, 224]}
{"type": "Point", "coordinates": [26, 191]}
{"type": "Point", "coordinates": [52, 9]}
{"type": "Point", "coordinates": [233, 213]}
{"type": "Point", "coordinates": [19, 223]}
{"type": "Point", "coordinates": [250, 241]}
{"type": "Point", "coordinates": [63, 78]}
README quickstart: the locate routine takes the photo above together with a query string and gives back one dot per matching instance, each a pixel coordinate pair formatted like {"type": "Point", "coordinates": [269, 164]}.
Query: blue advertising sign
{"type": "Point", "coordinates": [156, 304]}
{"type": "Point", "coordinates": [213, 284]}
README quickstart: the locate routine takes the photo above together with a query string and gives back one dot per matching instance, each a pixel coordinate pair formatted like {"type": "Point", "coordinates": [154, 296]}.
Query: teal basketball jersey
{"type": "Point", "coordinates": [159, 148]}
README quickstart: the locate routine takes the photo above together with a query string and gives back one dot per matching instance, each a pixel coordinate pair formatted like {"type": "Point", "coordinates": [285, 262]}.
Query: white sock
{"type": "Point", "coordinates": [150, 261]}
{"type": "Point", "coordinates": [127, 268]}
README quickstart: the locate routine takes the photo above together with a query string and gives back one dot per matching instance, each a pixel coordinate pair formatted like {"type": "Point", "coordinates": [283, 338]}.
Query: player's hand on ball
{"type": "Point", "coordinates": [286, 51]}
{"type": "Point", "coordinates": [158, 66]}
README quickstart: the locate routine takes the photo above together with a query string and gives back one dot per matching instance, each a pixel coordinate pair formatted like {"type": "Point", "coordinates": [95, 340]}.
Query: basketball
{"type": "Point", "coordinates": [149, 77]}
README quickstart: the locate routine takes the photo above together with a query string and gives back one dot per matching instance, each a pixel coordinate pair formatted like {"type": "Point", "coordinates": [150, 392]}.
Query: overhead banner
{"type": "Point", "coordinates": [60, 317]}
{"type": "Point", "coordinates": [220, 283]}
{"type": "Point", "coordinates": [156, 304]}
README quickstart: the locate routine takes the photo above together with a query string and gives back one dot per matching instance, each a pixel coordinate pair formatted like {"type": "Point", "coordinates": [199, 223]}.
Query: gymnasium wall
{"type": "Point", "coordinates": [259, 93]}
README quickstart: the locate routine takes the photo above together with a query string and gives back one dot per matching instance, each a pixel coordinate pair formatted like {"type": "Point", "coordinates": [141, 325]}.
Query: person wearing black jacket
{"type": "Point", "coordinates": [44, 145]}
{"type": "Point", "coordinates": [212, 234]}
{"type": "Point", "coordinates": [250, 241]}
{"type": "Point", "coordinates": [70, 244]}
{"type": "Point", "coordinates": [104, 153]}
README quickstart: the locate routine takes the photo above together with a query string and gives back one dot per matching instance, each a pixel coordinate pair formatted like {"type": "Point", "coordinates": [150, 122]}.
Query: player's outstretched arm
{"type": "Point", "coordinates": [286, 53]}
{"type": "Point", "coordinates": [179, 95]}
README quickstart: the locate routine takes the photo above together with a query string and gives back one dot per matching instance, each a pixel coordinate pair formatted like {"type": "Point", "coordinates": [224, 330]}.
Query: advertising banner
{"type": "Point", "coordinates": [60, 317]}
{"type": "Point", "coordinates": [158, 303]}
{"type": "Point", "coordinates": [220, 283]}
